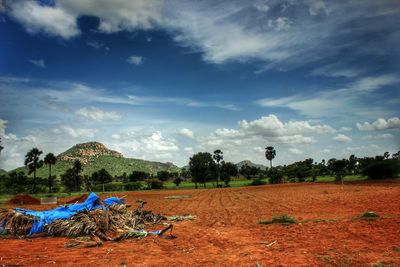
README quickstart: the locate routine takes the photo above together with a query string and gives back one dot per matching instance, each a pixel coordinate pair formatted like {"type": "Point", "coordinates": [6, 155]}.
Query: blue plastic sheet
{"type": "Point", "coordinates": [43, 218]}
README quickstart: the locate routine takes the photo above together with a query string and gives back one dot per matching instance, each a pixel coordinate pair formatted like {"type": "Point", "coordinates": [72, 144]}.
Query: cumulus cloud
{"type": "Point", "coordinates": [40, 18]}
{"type": "Point", "coordinates": [269, 129]}
{"type": "Point", "coordinates": [379, 124]}
{"type": "Point", "coordinates": [341, 138]}
{"type": "Point", "coordinates": [96, 114]}
{"type": "Point", "coordinates": [38, 63]}
{"type": "Point", "coordinates": [186, 132]}
{"type": "Point", "coordinates": [135, 60]}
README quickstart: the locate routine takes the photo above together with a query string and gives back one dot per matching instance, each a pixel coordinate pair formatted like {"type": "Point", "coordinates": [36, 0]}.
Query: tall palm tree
{"type": "Point", "coordinates": [270, 154]}
{"type": "Point", "coordinates": [218, 156]}
{"type": "Point", "coordinates": [49, 160]}
{"type": "Point", "coordinates": [33, 162]}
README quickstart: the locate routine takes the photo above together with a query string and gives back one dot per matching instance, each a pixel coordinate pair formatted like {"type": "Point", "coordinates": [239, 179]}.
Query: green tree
{"type": "Point", "coordinates": [270, 154]}
{"type": "Point", "coordinates": [228, 170]}
{"type": "Point", "coordinates": [201, 166]}
{"type": "Point", "coordinates": [163, 175]}
{"type": "Point", "coordinates": [137, 176]}
{"type": "Point", "coordinates": [177, 181]}
{"type": "Point", "coordinates": [218, 157]}
{"type": "Point", "coordinates": [33, 162]}
{"type": "Point", "coordinates": [102, 177]}
{"type": "Point", "coordinates": [72, 178]}
{"type": "Point", "coordinates": [338, 167]}
{"type": "Point", "coordinates": [50, 160]}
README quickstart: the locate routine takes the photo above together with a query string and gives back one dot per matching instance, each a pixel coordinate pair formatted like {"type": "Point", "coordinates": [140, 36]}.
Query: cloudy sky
{"type": "Point", "coordinates": [161, 80]}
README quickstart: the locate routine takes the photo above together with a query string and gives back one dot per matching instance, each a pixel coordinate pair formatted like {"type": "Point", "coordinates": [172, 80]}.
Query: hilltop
{"type": "Point", "coordinates": [251, 164]}
{"type": "Point", "coordinates": [95, 155]}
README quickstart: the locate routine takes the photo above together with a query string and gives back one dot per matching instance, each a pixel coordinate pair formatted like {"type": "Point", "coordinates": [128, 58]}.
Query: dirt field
{"type": "Point", "coordinates": [226, 232]}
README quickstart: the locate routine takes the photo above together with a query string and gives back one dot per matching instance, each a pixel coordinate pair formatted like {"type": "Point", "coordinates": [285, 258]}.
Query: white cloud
{"type": "Point", "coordinates": [38, 63]}
{"type": "Point", "coordinates": [379, 137]}
{"type": "Point", "coordinates": [96, 114]}
{"type": "Point", "coordinates": [347, 99]}
{"type": "Point", "coordinates": [97, 45]}
{"type": "Point", "coordinates": [75, 132]}
{"type": "Point", "coordinates": [337, 70]}
{"type": "Point", "coordinates": [326, 151]}
{"type": "Point", "coordinates": [135, 60]}
{"type": "Point", "coordinates": [115, 136]}
{"type": "Point", "coordinates": [342, 138]}
{"type": "Point", "coordinates": [261, 6]}
{"type": "Point", "coordinates": [368, 84]}
{"type": "Point", "coordinates": [40, 18]}
{"type": "Point", "coordinates": [188, 150]}
{"type": "Point", "coordinates": [298, 32]}
{"type": "Point", "coordinates": [186, 132]}
{"type": "Point", "coordinates": [345, 129]}
{"type": "Point", "coordinates": [380, 124]}
{"type": "Point", "coordinates": [157, 143]}
{"type": "Point", "coordinates": [268, 129]}
{"type": "Point", "coordinates": [295, 151]}
{"type": "Point", "coordinates": [280, 24]}
{"type": "Point", "coordinates": [3, 126]}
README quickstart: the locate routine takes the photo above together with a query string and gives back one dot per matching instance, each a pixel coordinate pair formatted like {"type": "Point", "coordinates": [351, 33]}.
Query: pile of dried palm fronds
{"type": "Point", "coordinates": [15, 223]}
{"type": "Point", "coordinates": [116, 221]}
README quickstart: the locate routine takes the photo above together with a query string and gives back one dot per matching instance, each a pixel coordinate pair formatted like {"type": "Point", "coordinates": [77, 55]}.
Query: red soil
{"type": "Point", "coordinates": [226, 233]}
{"type": "Point", "coordinates": [23, 200]}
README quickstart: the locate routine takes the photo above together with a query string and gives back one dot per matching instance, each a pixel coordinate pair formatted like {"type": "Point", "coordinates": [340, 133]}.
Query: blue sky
{"type": "Point", "coordinates": [161, 80]}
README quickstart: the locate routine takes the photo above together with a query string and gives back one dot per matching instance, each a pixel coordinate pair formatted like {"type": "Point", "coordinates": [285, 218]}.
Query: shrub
{"type": "Point", "coordinates": [276, 176]}
{"type": "Point", "coordinates": [155, 184]}
{"type": "Point", "coordinates": [384, 169]}
{"type": "Point", "coordinates": [282, 219]}
{"type": "Point", "coordinates": [369, 215]}
{"type": "Point", "coordinates": [257, 181]}
{"type": "Point", "coordinates": [133, 186]}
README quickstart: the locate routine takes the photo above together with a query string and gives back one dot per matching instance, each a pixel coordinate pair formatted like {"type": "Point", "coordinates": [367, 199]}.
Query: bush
{"type": "Point", "coordinates": [257, 181]}
{"type": "Point", "coordinates": [384, 169]}
{"type": "Point", "coordinates": [276, 176]}
{"type": "Point", "coordinates": [282, 219]}
{"type": "Point", "coordinates": [155, 184]}
{"type": "Point", "coordinates": [369, 215]}
{"type": "Point", "coordinates": [133, 186]}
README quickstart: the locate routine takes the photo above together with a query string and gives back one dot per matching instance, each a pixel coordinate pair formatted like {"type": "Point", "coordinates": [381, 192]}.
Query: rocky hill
{"type": "Point", "coordinates": [251, 164]}
{"type": "Point", "coordinates": [87, 152]}
{"type": "Point", "coordinates": [95, 156]}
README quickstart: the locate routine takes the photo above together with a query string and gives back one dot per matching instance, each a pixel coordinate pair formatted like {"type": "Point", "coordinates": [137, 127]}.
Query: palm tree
{"type": "Point", "coordinates": [1, 147]}
{"type": "Point", "coordinates": [218, 156]}
{"type": "Point", "coordinates": [270, 154]}
{"type": "Point", "coordinates": [33, 162]}
{"type": "Point", "coordinates": [50, 159]}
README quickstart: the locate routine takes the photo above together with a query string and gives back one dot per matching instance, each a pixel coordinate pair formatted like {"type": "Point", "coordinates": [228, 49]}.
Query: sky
{"type": "Point", "coordinates": [162, 80]}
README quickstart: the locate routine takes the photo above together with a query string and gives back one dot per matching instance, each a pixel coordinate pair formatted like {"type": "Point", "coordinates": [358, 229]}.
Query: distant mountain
{"type": "Point", "coordinates": [3, 172]}
{"type": "Point", "coordinates": [251, 164]}
{"type": "Point", "coordinates": [95, 156]}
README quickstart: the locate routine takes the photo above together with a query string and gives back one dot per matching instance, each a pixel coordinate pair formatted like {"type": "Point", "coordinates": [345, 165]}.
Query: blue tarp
{"type": "Point", "coordinates": [64, 212]}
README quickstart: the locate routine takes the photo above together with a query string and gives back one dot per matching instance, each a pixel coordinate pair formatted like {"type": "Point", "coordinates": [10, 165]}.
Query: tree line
{"type": "Point", "coordinates": [203, 168]}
